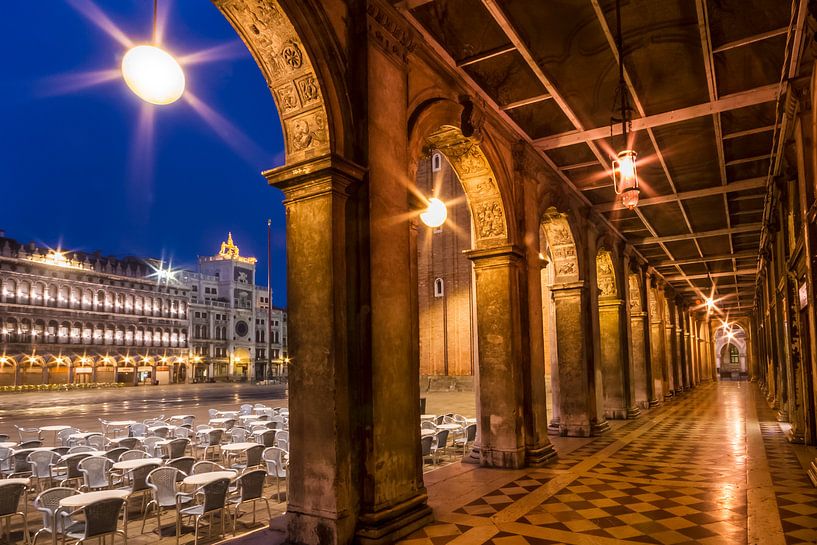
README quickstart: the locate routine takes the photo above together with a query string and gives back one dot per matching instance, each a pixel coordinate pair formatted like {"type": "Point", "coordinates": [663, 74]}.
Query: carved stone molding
{"type": "Point", "coordinates": [296, 89]}
{"type": "Point", "coordinates": [606, 275]}
{"type": "Point", "coordinates": [389, 31]}
{"type": "Point", "coordinates": [562, 245]}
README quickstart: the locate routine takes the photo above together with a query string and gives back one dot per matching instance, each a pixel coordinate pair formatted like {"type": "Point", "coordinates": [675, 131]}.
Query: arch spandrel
{"type": "Point", "coordinates": [606, 275]}
{"type": "Point", "coordinates": [478, 181]}
{"type": "Point", "coordinates": [635, 293]}
{"type": "Point", "coordinates": [280, 54]}
{"type": "Point", "coordinates": [562, 245]}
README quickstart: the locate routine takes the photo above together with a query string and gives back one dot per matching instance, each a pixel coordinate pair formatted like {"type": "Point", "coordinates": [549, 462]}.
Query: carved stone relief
{"type": "Point", "coordinates": [490, 220]}
{"type": "Point", "coordinates": [605, 274]}
{"type": "Point", "coordinates": [635, 294]}
{"type": "Point", "coordinates": [272, 39]}
{"type": "Point", "coordinates": [562, 246]}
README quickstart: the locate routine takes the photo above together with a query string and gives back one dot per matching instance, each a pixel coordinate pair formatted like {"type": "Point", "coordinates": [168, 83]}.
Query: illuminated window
{"type": "Point", "coordinates": [439, 287]}
{"type": "Point", "coordinates": [734, 355]}
{"type": "Point", "coordinates": [436, 162]}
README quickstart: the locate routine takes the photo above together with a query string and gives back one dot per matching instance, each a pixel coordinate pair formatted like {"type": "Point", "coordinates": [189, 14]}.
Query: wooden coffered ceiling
{"type": "Point", "coordinates": [705, 77]}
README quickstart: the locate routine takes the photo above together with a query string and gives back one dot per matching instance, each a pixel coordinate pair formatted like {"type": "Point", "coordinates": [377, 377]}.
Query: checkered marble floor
{"type": "Point", "coordinates": [677, 475]}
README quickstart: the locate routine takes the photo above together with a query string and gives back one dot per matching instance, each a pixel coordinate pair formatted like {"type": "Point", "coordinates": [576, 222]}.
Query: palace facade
{"type": "Point", "coordinates": [77, 317]}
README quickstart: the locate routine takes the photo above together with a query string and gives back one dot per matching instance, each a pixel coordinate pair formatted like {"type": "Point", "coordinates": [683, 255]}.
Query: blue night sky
{"type": "Point", "coordinates": [76, 168]}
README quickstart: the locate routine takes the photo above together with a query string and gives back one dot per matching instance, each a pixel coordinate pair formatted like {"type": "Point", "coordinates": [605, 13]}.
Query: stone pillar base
{"type": "Point", "coordinates": [812, 472]}
{"type": "Point", "coordinates": [472, 456]}
{"type": "Point", "coordinates": [668, 396]}
{"type": "Point", "coordinates": [616, 414]}
{"type": "Point", "coordinates": [304, 529]}
{"type": "Point", "coordinates": [599, 428]}
{"type": "Point", "coordinates": [396, 522]}
{"type": "Point", "coordinates": [655, 403]}
{"type": "Point", "coordinates": [794, 437]}
{"type": "Point", "coordinates": [502, 459]}
{"type": "Point", "coordinates": [782, 416]}
{"type": "Point", "coordinates": [633, 412]}
{"type": "Point", "coordinates": [553, 427]}
{"type": "Point", "coordinates": [575, 431]}
{"type": "Point", "coordinates": [540, 456]}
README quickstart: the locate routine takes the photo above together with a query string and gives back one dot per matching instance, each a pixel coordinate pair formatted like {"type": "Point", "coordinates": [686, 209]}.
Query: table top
{"type": "Point", "coordinates": [181, 416]}
{"type": "Point", "coordinates": [204, 478]}
{"type": "Point", "coordinates": [428, 416]}
{"type": "Point", "coordinates": [470, 420]}
{"type": "Point", "coordinates": [8, 444]}
{"type": "Point", "coordinates": [83, 435]}
{"type": "Point", "coordinates": [34, 449]}
{"type": "Point", "coordinates": [449, 427]}
{"type": "Point", "coordinates": [238, 446]}
{"type": "Point", "coordinates": [121, 423]}
{"type": "Point", "coordinates": [81, 500]}
{"type": "Point", "coordinates": [86, 453]}
{"type": "Point", "coordinates": [24, 481]}
{"type": "Point", "coordinates": [426, 431]}
{"type": "Point", "coordinates": [54, 428]}
{"type": "Point", "coordinates": [221, 420]}
{"type": "Point", "coordinates": [262, 431]}
{"type": "Point", "coordinates": [159, 426]}
{"type": "Point", "coordinates": [133, 464]}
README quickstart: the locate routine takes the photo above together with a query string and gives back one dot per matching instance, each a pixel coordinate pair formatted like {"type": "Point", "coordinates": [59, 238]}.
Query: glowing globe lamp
{"type": "Point", "coordinates": [435, 214]}
{"type": "Point", "coordinates": [625, 178]}
{"type": "Point", "coordinates": [153, 74]}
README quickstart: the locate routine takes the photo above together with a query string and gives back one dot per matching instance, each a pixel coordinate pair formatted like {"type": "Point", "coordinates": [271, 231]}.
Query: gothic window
{"type": "Point", "coordinates": [734, 355]}
{"type": "Point", "coordinates": [436, 162]}
{"type": "Point", "coordinates": [439, 287]}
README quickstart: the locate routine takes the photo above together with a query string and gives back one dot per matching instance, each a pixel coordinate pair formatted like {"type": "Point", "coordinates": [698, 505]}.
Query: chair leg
{"type": "Point", "coordinates": [269, 511]}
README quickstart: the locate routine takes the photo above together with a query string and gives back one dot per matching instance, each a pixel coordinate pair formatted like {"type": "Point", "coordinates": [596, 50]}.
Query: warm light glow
{"type": "Point", "coordinates": [710, 304]}
{"type": "Point", "coordinates": [435, 214]}
{"type": "Point", "coordinates": [625, 178]}
{"type": "Point", "coordinates": [153, 74]}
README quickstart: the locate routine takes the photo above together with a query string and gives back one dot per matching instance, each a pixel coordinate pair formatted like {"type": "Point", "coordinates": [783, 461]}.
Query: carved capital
{"type": "Point", "coordinates": [388, 31]}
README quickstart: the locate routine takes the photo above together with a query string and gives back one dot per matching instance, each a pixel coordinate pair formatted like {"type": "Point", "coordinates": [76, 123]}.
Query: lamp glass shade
{"type": "Point", "coordinates": [153, 74]}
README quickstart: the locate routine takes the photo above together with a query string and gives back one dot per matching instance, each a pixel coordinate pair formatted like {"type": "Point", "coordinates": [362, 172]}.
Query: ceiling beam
{"type": "Point", "coordinates": [748, 228]}
{"type": "Point", "coordinates": [739, 185]}
{"type": "Point", "coordinates": [526, 102]}
{"type": "Point", "coordinates": [751, 39]}
{"type": "Point", "coordinates": [734, 162]}
{"type": "Point", "coordinates": [739, 272]}
{"type": "Point", "coordinates": [577, 166]}
{"type": "Point", "coordinates": [760, 95]}
{"type": "Point", "coordinates": [707, 259]}
{"type": "Point", "coordinates": [748, 132]}
{"type": "Point", "coordinates": [485, 55]}
{"type": "Point", "coordinates": [743, 286]}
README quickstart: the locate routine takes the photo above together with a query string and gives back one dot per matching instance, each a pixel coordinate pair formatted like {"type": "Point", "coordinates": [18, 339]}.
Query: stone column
{"type": "Point", "coordinates": [669, 348]}
{"type": "Point", "coordinates": [639, 345]}
{"type": "Point", "coordinates": [576, 417]}
{"type": "Point", "coordinates": [322, 239]}
{"type": "Point", "coordinates": [657, 350]}
{"type": "Point", "coordinates": [537, 445]}
{"type": "Point", "coordinates": [596, 375]}
{"type": "Point", "coordinates": [503, 361]}
{"type": "Point", "coordinates": [393, 496]}
{"type": "Point", "coordinates": [612, 366]}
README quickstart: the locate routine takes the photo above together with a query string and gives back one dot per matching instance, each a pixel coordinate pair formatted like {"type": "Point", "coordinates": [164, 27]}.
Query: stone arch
{"type": "Point", "coordinates": [606, 275]}
{"type": "Point", "coordinates": [293, 47]}
{"type": "Point", "coordinates": [561, 245]}
{"type": "Point", "coordinates": [436, 124]}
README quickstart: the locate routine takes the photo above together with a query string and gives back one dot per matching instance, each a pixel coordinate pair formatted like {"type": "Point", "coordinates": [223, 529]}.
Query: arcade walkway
{"type": "Point", "coordinates": [711, 467]}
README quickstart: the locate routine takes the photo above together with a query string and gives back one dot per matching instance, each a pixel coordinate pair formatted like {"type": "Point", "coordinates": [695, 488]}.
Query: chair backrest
{"type": "Point", "coordinates": [49, 501]}
{"type": "Point", "coordinates": [62, 436]}
{"type": "Point", "coordinates": [426, 442]}
{"type": "Point", "coordinates": [267, 438]}
{"type": "Point", "coordinates": [114, 454]}
{"type": "Point", "coordinates": [470, 432]}
{"type": "Point", "coordinates": [96, 441]}
{"type": "Point", "coordinates": [251, 484]}
{"type": "Point", "coordinates": [200, 427]}
{"type": "Point", "coordinates": [133, 455]}
{"type": "Point", "coordinates": [238, 435]}
{"type": "Point", "coordinates": [62, 451]}
{"type": "Point", "coordinates": [206, 466]}
{"type": "Point", "coordinates": [80, 448]}
{"type": "Point", "coordinates": [162, 481]}
{"type": "Point", "coordinates": [5, 458]}
{"type": "Point", "coordinates": [212, 413]}
{"type": "Point", "coordinates": [184, 464]}
{"type": "Point", "coordinates": [138, 476]}
{"type": "Point", "coordinates": [161, 431]}
{"type": "Point", "coordinates": [20, 461]}
{"type": "Point", "coordinates": [41, 461]}
{"type": "Point", "coordinates": [215, 494]}
{"type": "Point", "coordinates": [129, 442]}
{"type": "Point", "coordinates": [94, 471]}
{"type": "Point", "coordinates": [102, 517]}
{"type": "Point", "coordinates": [182, 433]}
{"type": "Point", "coordinates": [229, 423]}
{"type": "Point", "coordinates": [177, 447]}
{"type": "Point", "coordinates": [427, 425]}
{"type": "Point", "coordinates": [442, 438]}
{"type": "Point", "coordinates": [10, 494]}
{"type": "Point", "coordinates": [27, 434]}
{"type": "Point", "coordinates": [32, 443]}
{"type": "Point", "coordinates": [245, 409]}
{"type": "Point", "coordinates": [138, 430]}
{"type": "Point", "coordinates": [149, 444]}
{"type": "Point", "coordinates": [282, 444]}
{"type": "Point", "coordinates": [253, 455]}
{"type": "Point", "coordinates": [72, 464]}
{"type": "Point", "coordinates": [214, 436]}
{"type": "Point", "coordinates": [439, 420]}
{"type": "Point", "coordinates": [274, 458]}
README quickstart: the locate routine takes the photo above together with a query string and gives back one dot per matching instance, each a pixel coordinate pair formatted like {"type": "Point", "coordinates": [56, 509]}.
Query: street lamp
{"type": "Point", "coordinates": [435, 214]}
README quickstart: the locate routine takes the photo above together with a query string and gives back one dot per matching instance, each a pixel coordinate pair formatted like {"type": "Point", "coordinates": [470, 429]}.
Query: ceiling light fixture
{"type": "Point", "coordinates": [435, 214]}
{"type": "Point", "coordinates": [152, 73]}
{"type": "Point", "coordinates": [625, 173]}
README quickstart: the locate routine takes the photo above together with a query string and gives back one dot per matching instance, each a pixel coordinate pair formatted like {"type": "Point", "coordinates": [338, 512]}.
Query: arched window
{"type": "Point", "coordinates": [436, 162]}
{"type": "Point", "coordinates": [734, 355]}
{"type": "Point", "coordinates": [439, 287]}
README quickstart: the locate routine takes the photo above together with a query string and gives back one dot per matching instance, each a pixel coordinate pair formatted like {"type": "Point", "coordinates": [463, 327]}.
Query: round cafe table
{"type": "Point", "coordinates": [21, 480]}
{"type": "Point", "coordinates": [55, 430]}
{"type": "Point", "coordinates": [84, 454]}
{"type": "Point", "coordinates": [204, 478]}
{"type": "Point", "coordinates": [426, 431]}
{"type": "Point", "coordinates": [81, 500]}
{"type": "Point", "coordinates": [428, 417]}
{"type": "Point", "coordinates": [220, 420]}
{"type": "Point", "coordinates": [449, 427]}
{"type": "Point", "coordinates": [8, 444]}
{"type": "Point", "coordinates": [133, 464]}
{"type": "Point", "coordinates": [237, 447]}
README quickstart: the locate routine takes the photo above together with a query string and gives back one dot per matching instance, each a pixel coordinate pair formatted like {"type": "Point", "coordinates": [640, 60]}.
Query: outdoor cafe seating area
{"type": "Point", "coordinates": [199, 480]}
{"type": "Point", "coordinates": [443, 436]}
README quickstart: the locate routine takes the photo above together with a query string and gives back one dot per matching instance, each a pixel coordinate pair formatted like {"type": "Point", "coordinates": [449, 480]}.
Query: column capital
{"type": "Point", "coordinates": [315, 176]}
{"type": "Point", "coordinates": [503, 254]}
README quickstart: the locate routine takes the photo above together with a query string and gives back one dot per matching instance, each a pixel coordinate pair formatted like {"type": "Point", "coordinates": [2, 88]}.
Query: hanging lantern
{"type": "Point", "coordinates": [625, 178]}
